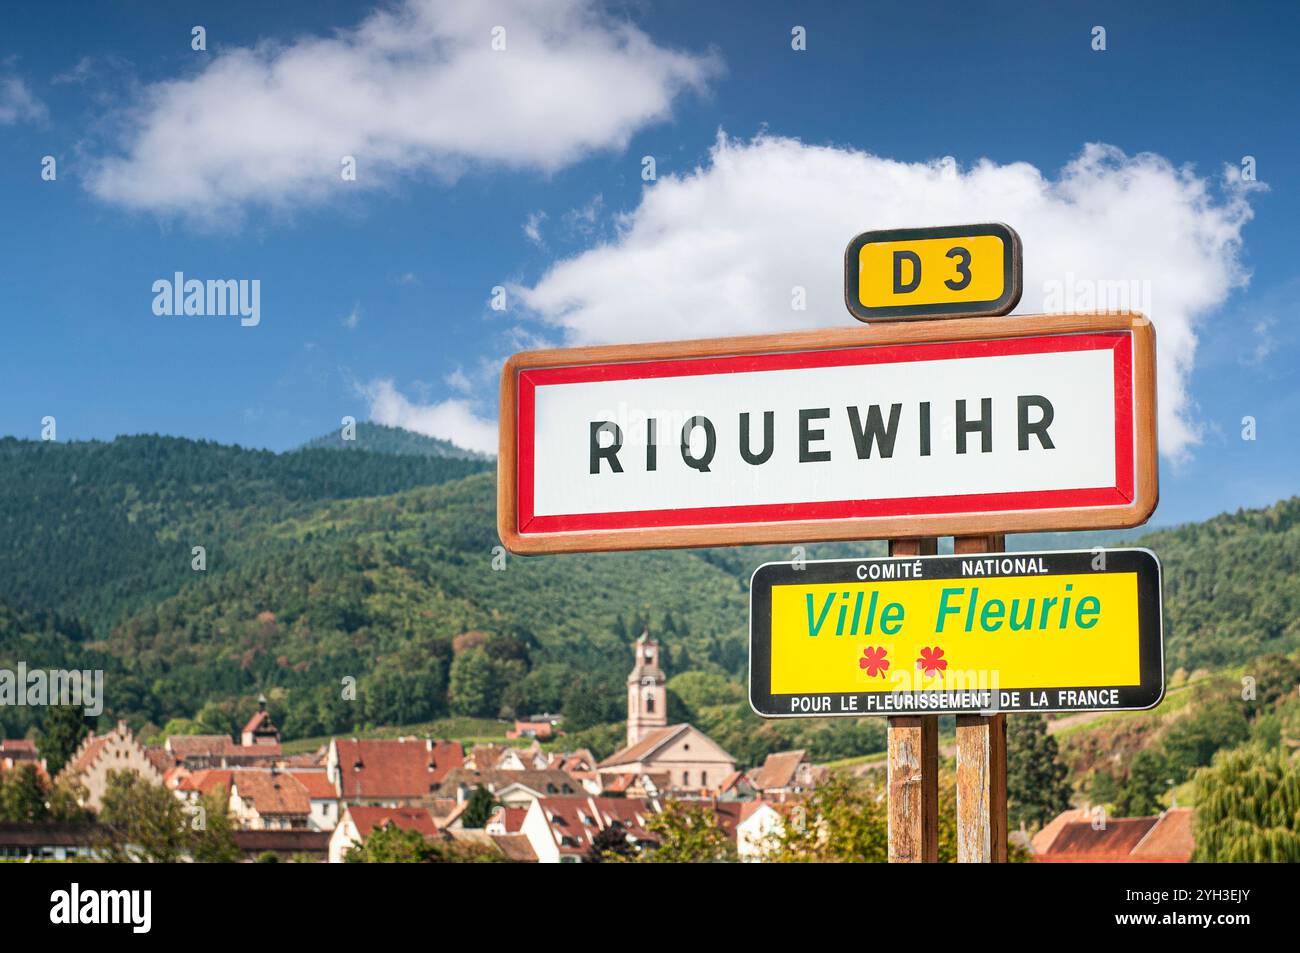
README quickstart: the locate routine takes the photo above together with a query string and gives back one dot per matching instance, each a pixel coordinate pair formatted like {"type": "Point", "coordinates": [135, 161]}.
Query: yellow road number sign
{"type": "Point", "coordinates": [954, 271]}
{"type": "Point", "coordinates": [1072, 631]}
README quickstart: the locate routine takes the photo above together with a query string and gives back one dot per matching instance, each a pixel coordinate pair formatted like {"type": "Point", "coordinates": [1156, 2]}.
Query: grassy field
{"type": "Point", "coordinates": [466, 730]}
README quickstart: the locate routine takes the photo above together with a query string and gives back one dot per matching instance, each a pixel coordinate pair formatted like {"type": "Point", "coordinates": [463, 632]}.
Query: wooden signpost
{"type": "Point", "coordinates": [942, 416]}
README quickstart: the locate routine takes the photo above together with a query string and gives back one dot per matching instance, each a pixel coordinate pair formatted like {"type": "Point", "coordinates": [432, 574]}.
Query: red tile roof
{"type": "Point", "coordinates": [207, 780]}
{"type": "Point", "coordinates": [575, 821]}
{"type": "Point", "coordinates": [645, 747]}
{"type": "Point", "coordinates": [317, 783]}
{"type": "Point", "coordinates": [367, 819]}
{"type": "Point", "coordinates": [402, 768]}
{"type": "Point", "coordinates": [778, 770]}
{"type": "Point", "coordinates": [1167, 838]}
{"type": "Point", "coordinates": [271, 792]}
{"type": "Point", "coordinates": [1172, 839]}
{"type": "Point", "coordinates": [511, 819]}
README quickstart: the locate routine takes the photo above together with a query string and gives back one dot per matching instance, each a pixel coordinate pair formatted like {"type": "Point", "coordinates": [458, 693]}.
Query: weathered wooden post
{"type": "Point", "coordinates": [981, 762]}
{"type": "Point", "coordinates": [913, 764]}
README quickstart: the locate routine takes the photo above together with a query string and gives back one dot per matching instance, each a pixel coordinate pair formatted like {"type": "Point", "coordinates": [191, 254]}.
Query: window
{"type": "Point", "coordinates": [686, 779]}
{"type": "Point", "coordinates": [650, 703]}
{"type": "Point", "coordinates": [704, 779]}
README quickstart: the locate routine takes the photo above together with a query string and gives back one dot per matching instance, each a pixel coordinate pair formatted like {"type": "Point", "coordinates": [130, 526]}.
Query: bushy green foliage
{"type": "Point", "coordinates": [145, 823]}
{"type": "Point", "coordinates": [688, 833]}
{"type": "Point", "coordinates": [1038, 788]}
{"type": "Point", "coordinates": [392, 845]}
{"type": "Point", "coordinates": [1248, 808]}
{"type": "Point", "coordinates": [1149, 778]}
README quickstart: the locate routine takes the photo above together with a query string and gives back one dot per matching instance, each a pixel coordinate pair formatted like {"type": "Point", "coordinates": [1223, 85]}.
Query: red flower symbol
{"type": "Point", "coordinates": [874, 661]}
{"type": "Point", "coordinates": [932, 661]}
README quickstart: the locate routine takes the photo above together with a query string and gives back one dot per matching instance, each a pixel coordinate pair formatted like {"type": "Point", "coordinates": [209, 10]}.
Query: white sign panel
{"type": "Point", "coordinates": [1042, 424]}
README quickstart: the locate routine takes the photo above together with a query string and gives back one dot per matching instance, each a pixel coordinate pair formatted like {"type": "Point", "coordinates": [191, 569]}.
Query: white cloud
{"type": "Point", "coordinates": [718, 250]}
{"type": "Point", "coordinates": [583, 220]}
{"type": "Point", "coordinates": [454, 419]}
{"type": "Point", "coordinates": [533, 227]}
{"type": "Point", "coordinates": [352, 318]}
{"type": "Point", "coordinates": [458, 380]}
{"type": "Point", "coordinates": [414, 87]}
{"type": "Point", "coordinates": [17, 102]}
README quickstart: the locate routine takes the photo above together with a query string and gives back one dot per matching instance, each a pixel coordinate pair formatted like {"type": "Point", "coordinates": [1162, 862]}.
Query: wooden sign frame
{"type": "Point", "coordinates": [1123, 515]}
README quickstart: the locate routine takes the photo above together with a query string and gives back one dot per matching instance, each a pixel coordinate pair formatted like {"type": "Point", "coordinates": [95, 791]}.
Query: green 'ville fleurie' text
{"type": "Point", "coordinates": [958, 606]}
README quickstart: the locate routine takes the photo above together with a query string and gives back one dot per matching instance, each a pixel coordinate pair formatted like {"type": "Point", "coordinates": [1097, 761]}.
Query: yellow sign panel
{"type": "Point", "coordinates": [1066, 631]}
{"type": "Point", "coordinates": [1036, 632]}
{"type": "Point", "coordinates": [956, 271]}
{"type": "Point", "coordinates": [933, 270]}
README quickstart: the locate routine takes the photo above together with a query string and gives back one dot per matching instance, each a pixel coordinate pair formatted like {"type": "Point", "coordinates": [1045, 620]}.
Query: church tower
{"type": "Point", "coordinates": [647, 701]}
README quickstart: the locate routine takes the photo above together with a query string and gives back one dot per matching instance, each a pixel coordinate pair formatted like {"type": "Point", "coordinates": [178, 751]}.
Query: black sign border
{"type": "Point", "coordinates": [1151, 660]}
{"type": "Point", "coordinates": [1012, 274]}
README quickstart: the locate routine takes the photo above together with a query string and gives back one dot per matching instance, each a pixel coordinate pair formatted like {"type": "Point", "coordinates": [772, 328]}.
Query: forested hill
{"type": "Point", "coordinates": [323, 566]}
{"type": "Point", "coordinates": [96, 529]}
{"type": "Point", "coordinates": [379, 438]}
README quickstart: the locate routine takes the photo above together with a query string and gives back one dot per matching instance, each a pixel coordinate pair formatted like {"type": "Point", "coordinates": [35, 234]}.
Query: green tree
{"type": "Point", "coordinates": [143, 822]}
{"type": "Point", "coordinates": [688, 833]}
{"type": "Point", "coordinates": [1038, 787]}
{"type": "Point", "coordinates": [66, 801]}
{"type": "Point", "coordinates": [1248, 808]}
{"type": "Point", "coordinates": [705, 689]}
{"type": "Point", "coordinates": [392, 845]}
{"type": "Point", "coordinates": [1148, 780]}
{"type": "Point", "coordinates": [213, 840]}
{"type": "Point", "coordinates": [63, 728]}
{"type": "Point", "coordinates": [844, 821]}
{"type": "Point", "coordinates": [474, 689]}
{"type": "Point", "coordinates": [23, 794]}
{"type": "Point", "coordinates": [1102, 787]}
{"type": "Point", "coordinates": [480, 808]}
{"type": "Point", "coordinates": [1192, 740]}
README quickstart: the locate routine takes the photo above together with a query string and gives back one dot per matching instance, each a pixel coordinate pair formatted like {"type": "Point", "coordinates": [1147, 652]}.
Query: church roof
{"type": "Point", "coordinates": [647, 746]}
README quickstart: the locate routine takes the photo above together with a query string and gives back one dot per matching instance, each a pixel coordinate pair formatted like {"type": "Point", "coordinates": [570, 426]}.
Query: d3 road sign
{"type": "Point", "coordinates": [915, 273]}
{"type": "Point", "coordinates": [1010, 424]}
{"type": "Point", "coordinates": [997, 632]}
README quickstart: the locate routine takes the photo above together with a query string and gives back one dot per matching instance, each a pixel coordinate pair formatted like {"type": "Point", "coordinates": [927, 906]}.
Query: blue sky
{"type": "Point", "coordinates": [375, 294]}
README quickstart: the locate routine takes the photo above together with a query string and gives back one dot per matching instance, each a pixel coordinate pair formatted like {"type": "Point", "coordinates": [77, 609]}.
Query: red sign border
{"type": "Point", "coordinates": [1128, 502]}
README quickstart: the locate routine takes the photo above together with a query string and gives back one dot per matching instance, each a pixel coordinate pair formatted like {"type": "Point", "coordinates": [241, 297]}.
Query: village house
{"type": "Point", "coordinates": [1078, 836]}
{"type": "Point", "coordinates": [359, 821]}
{"type": "Point", "coordinates": [785, 774]}
{"type": "Point", "coordinates": [269, 800]}
{"type": "Point", "coordinates": [736, 787]}
{"type": "Point", "coordinates": [118, 750]}
{"type": "Point", "coordinates": [17, 753]}
{"type": "Point", "coordinates": [259, 744]}
{"type": "Point", "coordinates": [542, 727]}
{"type": "Point", "coordinates": [759, 824]}
{"type": "Point", "coordinates": [390, 773]}
{"type": "Point", "coordinates": [563, 829]}
{"type": "Point", "coordinates": [515, 788]}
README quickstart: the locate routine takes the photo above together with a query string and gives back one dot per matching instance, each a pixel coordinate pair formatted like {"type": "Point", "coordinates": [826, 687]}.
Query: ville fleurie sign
{"type": "Point", "coordinates": [987, 633]}
{"type": "Point", "coordinates": [964, 426]}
